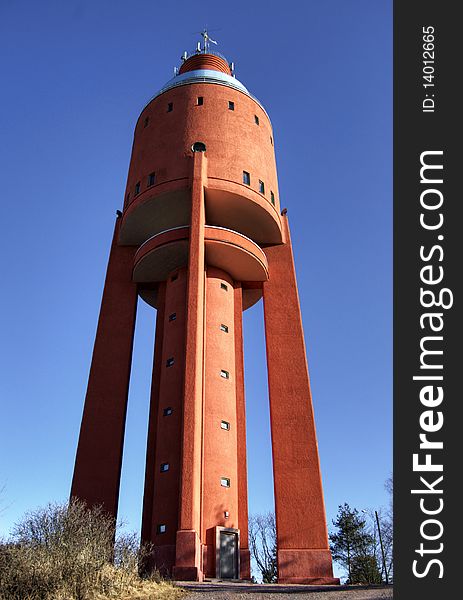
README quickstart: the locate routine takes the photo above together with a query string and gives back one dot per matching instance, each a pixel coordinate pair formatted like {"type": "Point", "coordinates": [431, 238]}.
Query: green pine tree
{"type": "Point", "coordinates": [353, 547]}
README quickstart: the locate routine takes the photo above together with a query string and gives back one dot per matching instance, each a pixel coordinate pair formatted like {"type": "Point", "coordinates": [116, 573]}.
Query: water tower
{"type": "Point", "coordinates": [201, 239]}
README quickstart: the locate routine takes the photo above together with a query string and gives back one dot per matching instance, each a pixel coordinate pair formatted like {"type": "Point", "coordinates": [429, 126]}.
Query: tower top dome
{"type": "Point", "coordinates": [210, 61]}
{"type": "Point", "coordinates": [204, 65]}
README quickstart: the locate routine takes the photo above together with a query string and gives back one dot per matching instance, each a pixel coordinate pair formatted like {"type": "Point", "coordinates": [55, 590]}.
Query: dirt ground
{"type": "Point", "coordinates": [238, 591]}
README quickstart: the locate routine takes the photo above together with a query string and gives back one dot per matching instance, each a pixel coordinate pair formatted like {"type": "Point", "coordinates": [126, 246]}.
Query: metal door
{"type": "Point", "coordinates": [228, 556]}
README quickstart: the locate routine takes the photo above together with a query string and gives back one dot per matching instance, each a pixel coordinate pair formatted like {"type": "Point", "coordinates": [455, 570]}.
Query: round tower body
{"type": "Point", "coordinates": [213, 108]}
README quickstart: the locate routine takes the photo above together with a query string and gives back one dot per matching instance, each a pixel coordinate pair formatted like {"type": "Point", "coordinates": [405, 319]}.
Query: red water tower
{"type": "Point", "coordinates": [201, 239]}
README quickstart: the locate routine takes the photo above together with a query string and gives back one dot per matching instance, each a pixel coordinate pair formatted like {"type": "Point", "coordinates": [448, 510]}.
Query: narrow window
{"type": "Point", "coordinates": [164, 467]}
{"type": "Point", "coordinates": [261, 187]}
{"type": "Point", "coordinates": [231, 105]}
{"type": "Point", "coordinates": [224, 374]}
{"type": "Point", "coordinates": [225, 425]}
{"type": "Point", "coordinates": [127, 198]}
{"type": "Point", "coordinates": [169, 362]}
{"type": "Point", "coordinates": [170, 107]}
{"type": "Point", "coordinates": [161, 528]}
{"type": "Point", "coordinates": [272, 198]}
{"type": "Point", "coordinates": [271, 140]}
{"type": "Point", "coordinates": [137, 188]}
{"type": "Point", "coordinates": [172, 317]}
{"type": "Point", "coordinates": [147, 120]}
{"type": "Point", "coordinates": [256, 119]}
{"type": "Point", "coordinates": [246, 178]}
{"type": "Point", "coordinates": [224, 286]}
{"type": "Point", "coordinates": [200, 101]}
{"type": "Point", "coordinates": [174, 277]}
{"type": "Point", "coordinates": [224, 328]}
{"type": "Point", "coordinates": [151, 179]}
{"type": "Point", "coordinates": [168, 411]}
{"type": "Point", "coordinates": [225, 482]}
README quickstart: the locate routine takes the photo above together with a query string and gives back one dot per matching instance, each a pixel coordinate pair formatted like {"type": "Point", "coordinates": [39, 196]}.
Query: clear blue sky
{"type": "Point", "coordinates": [75, 76]}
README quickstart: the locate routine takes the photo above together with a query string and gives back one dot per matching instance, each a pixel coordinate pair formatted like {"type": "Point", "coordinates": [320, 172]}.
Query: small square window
{"type": "Point", "coordinates": [231, 105]}
{"type": "Point", "coordinates": [224, 374]}
{"type": "Point", "coordinates": [164, 467]}
{"type": "Point", "coordinates": [224, 286]}
{"type": "Point", "coordinates": [151, 179]}
{"type": "Point", "coordinates": [174, 277]}
{"type": "Point", "coordinates": [172, 317]}
{"type": "Point", "coordinates": [146, 122]}
{"type": "Point", "coordinates": [137, 188]}
{"type": "Point", "coordinates": [200, 101]}
{"type": "Point", "coordinates": [225, 482]}
{"type": "Point", "coordinates": [261, 187]}
{"type": "Point", "coordinates": [161, 528]}
{"type": "Point", "coordinates": [246, 178]}
{"type": "Point", "coordinates": [224, 328]}
{"type": "Point", "coordinates": [168, 411]}
{"type": "Point", "coordinates": [169, 362]}
{"type": "Point", "coordinates": [225, 425]}
{"type": "Point", "coordinates": [256, 119]}
{"type": "Point", "coordinates": [170, 107]}
{"type": "Point", "coordinates": [272, 198]}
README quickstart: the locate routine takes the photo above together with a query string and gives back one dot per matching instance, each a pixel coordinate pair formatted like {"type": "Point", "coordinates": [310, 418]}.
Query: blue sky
{"type": "Point", "coordinates": [75, 78]}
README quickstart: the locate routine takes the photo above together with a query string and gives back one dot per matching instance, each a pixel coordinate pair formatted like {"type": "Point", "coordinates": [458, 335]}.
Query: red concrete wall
{"type": "Point", "coordinates": [150, 469]}
{"type": "Point", "coordinates": [166, 484]}
{"type": "Point", "coordinates": [234, 142]}
{"type": "Point", "coordinates": [245, 559]}
{"type": "Point", "coordinates": [99, 453]}
{"type": "Point", "coordinates": [302, 537]}
{"type": "Point", "coordinates": [219, 446]}
{"type": "Point", "coordinates": [188, 549]}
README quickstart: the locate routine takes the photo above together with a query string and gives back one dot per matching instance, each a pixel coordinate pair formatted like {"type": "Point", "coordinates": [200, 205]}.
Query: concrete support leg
{"type": "Point", "coordinates": [302, 539]}
{"type": "Point", "coordinates": [245, 560]}
{"type": "Point", "coordinates": [188, 548]}
{"type": "Point", "coordinates": [147, 516]}
{"type": "Point", "coordinates": [99, 454]}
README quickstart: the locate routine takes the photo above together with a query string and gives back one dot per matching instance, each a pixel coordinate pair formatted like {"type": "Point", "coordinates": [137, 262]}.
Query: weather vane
{"type": "Point", "coordinates": [207, 40]}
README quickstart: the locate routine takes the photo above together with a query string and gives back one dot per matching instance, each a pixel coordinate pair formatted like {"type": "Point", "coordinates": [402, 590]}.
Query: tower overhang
{"type": "Point", "coordinates": [225, 249]}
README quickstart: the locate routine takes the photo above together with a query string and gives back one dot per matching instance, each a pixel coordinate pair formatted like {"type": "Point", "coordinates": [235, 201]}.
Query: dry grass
{"type": "Point", "coordinates": [67, 552]}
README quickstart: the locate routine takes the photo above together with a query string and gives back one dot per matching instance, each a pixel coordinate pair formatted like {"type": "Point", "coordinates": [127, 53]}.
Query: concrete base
{"type": "Point", "coordinates": [310, 581]}
{"type": "Point", "coordinates": [187, 574]}
{"type": "Point", "coordinates": [245, 564]}
{"type": "Point", "coordinates": [312, 567]}
{"type": "Point", "coordinates": [162, 559]}
{"type": "Point", "coordinates": [187, 557]}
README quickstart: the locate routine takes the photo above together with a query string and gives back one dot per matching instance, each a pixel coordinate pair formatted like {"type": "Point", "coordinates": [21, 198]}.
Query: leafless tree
{"type": "Point", "coordinates": [381, 522]}
{"type": "Point", "coordinates": [262, 544]}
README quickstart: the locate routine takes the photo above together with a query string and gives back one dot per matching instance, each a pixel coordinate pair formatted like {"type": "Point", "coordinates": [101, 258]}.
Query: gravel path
{"type": "Point", "coordinates": [234, 591]}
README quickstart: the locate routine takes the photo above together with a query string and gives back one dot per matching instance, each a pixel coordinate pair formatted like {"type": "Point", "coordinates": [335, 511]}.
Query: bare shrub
{"type": "Point", "coordinates": [70, 552]}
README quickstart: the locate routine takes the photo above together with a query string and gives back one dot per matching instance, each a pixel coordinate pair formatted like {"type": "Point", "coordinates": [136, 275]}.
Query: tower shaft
{"type": "Point", "coordinates": [201, 239]}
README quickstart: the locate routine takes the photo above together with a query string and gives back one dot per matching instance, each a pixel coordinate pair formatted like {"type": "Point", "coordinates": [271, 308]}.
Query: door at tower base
{"type": "Point", "coordinates": [227, 555]}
